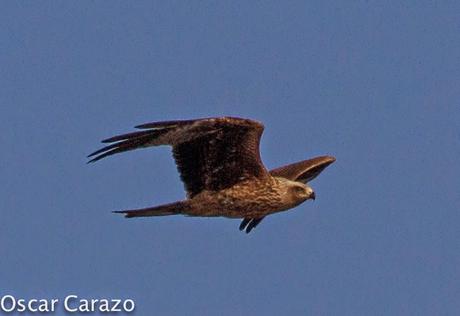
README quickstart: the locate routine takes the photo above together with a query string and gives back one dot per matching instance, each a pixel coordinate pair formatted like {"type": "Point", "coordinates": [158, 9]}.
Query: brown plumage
{"type": "Point", "coordinates": [219, 163]}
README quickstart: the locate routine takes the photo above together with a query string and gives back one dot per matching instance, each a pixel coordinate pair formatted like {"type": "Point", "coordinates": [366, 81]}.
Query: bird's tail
{"type": "Point", "coordinates": [161, 210]}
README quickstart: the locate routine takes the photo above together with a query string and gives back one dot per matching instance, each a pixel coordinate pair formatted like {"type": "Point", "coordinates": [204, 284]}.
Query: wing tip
{"type": "Point", "coordinates": [322, 160]}
{"type": "Point", "coordinates": [326, 158]}
{"type": "Point", "coordinates": [125, 213]}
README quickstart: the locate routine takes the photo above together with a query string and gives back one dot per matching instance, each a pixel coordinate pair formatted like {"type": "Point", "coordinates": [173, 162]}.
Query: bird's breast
{"type": "Point", "coordinates": [249, 198]}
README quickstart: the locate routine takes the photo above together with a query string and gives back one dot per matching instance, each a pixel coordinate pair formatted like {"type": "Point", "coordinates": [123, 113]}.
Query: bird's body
{"type": "Point", "coordinates": [251, 198]}
{"type": "Point", "coordinates": [219, 163]}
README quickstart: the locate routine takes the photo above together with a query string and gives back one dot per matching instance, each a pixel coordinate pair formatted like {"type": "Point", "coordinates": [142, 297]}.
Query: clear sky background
{"type": "Point", "coordinates": [375, 84]}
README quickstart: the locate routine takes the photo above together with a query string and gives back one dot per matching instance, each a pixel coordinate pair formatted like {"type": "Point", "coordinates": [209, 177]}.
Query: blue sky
{"type": "Point", "coordinates": [375, 84]}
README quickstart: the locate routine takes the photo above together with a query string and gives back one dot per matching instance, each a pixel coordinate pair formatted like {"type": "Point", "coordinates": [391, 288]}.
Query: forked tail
{"type": "Point", "coordinates": [161, 210]}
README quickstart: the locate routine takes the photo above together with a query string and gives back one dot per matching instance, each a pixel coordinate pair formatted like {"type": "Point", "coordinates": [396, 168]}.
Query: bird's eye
{"type": "Point", "coordinates": [299, 190]}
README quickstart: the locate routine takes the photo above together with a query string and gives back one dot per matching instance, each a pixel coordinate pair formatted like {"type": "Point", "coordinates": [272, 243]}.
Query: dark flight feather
{"type": "Point", "coordinates": [211, 154]}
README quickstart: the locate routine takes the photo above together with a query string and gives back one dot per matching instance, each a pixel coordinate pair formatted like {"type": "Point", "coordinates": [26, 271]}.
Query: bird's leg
{"type": "Point", "coordinates": [252, 224]}
{"type": "Point", "coordinates": [244, 223]}
{"type": "Point", "coordinates": [249, 223]}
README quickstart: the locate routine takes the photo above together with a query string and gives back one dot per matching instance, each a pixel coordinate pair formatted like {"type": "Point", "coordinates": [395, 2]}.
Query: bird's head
{"type": "Point", "coordinates": [300, 191]}
{"type": "Point", "coordinates": [297, 192]}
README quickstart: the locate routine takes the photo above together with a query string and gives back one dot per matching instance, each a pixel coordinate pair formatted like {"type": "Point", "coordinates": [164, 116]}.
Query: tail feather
{"type": "Point", "coordinates": [161, 210]}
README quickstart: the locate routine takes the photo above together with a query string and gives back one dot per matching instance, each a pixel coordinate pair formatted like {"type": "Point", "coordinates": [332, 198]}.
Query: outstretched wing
{"type": "Point", "coordinates": [211, 154]}
{"type": "Point", "coordinates": [302, 171]}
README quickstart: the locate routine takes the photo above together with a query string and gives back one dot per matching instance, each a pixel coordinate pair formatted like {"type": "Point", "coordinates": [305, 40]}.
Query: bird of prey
{"type": "Point", "coordinates": [219, 163]}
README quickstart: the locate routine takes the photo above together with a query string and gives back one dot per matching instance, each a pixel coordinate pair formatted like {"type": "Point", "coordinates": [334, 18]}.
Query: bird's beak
{"type": "Point", "coordinates": [313, 196]}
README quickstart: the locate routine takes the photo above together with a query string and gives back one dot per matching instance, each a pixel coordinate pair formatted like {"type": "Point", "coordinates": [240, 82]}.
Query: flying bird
{"type": "Point", "coordinates": [219, 163]}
